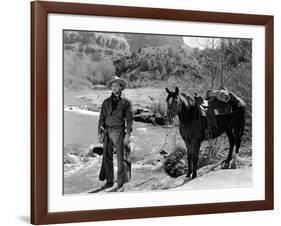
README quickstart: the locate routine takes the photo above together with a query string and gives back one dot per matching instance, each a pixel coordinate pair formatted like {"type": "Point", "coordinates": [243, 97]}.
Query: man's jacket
{"type": "Point", "coordinates": [121, 116]}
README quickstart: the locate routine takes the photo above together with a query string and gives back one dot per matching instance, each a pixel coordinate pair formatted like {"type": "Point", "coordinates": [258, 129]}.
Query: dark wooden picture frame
{"type": "Point", "coordinates": [39, 112]}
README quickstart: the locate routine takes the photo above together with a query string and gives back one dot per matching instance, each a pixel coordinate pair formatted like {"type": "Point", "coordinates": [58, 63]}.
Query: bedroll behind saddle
{"type": "Point", "coordinates": [216, 102]}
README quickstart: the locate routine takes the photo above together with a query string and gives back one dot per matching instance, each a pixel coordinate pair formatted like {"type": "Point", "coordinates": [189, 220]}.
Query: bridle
{"type": "Point", "coordinates": [174, 113]}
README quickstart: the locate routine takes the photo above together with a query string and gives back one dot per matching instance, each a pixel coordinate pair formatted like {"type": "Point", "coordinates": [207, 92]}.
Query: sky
{"type": "Point", "coordinates": [201, 43]}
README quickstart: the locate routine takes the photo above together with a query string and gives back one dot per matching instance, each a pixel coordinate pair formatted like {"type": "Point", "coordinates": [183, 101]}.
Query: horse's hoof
{"type": "Point", "coordinates": [233, 166]}
{"type": "Point", "coordinates": [194, 175]}
{"type": "Point", "coordinates": [187, 175]}
{"type": "Point", "coordinates": [225, 165]}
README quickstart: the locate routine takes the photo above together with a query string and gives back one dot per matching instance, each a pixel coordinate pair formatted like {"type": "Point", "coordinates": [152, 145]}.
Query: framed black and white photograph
{"type": "Point", "coordinates": [145, 112]}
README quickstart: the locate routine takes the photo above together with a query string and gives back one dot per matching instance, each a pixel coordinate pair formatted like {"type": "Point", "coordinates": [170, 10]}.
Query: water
{"type": "Point", "coordinates": [80, 134]}
{"type": "Point", "coordinates": [81, 175]}
{"type": "Point", "coordinates": [79, 128]}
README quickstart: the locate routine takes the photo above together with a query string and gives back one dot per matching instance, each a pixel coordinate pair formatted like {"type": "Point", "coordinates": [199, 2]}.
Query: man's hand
{"type": "Point", "coordinates": [127, 139]}
{"type": "Point", "coordinates": [100, 138]}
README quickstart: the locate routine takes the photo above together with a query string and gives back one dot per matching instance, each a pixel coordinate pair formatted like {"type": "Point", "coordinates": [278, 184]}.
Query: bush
{"type": "Point", "coordinates": [145, 65]}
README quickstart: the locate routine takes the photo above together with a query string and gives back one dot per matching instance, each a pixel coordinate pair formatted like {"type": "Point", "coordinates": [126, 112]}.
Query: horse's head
{"type": "Point", "coordinates": [173, 104]}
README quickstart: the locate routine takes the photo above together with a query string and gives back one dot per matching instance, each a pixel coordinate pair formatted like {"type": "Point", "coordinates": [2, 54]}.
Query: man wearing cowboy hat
{"type": "Point", "coordinates": [114, 129]}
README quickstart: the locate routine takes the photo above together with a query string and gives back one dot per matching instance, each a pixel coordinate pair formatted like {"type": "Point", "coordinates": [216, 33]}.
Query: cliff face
{"type": "Point", "coordinates": [143, 40]}
{"type": "Point", "coordinates": [88, 57]}
{"type": "Point", "coordinates": [113, 44]}
{"type": "Point", "coordinates": [97, 44]}
{"type": "Point", "coordinates": [92, 57]}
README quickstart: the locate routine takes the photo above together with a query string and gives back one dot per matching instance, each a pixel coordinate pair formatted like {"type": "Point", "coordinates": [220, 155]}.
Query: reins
{"type": "Point", "coordinates": [210, 141]}
{"type": "Point", "coordinates": [174, 113]}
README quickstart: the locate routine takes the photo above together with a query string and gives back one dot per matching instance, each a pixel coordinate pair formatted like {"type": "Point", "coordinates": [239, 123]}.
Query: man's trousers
{"type": "Point", "coordinates": [114, 139]}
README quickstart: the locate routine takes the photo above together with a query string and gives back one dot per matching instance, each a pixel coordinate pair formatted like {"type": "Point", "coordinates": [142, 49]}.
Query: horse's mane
{"type": "Point", "coordinates": [187, 99]}
{"type": "Point", "coordinates": [189, 111]}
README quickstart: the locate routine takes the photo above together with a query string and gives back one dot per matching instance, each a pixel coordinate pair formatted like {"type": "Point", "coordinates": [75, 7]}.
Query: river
{"type": "Point", "coordinates": [80, 134]}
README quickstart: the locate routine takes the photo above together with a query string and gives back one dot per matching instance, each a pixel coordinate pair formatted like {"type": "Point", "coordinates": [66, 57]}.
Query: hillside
{"type": "Point", "coordinates": [92, 58]}
{"type": "Point", "coordinates": [96, 43]}
{"type": "Point", "coordinates": [143, 40]}
{"type": "Point", "coordinates": [159, 65]}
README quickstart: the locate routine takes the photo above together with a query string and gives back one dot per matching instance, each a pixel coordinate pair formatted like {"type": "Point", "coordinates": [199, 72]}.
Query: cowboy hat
{"type": "Point", "coordinates": [118, 80]}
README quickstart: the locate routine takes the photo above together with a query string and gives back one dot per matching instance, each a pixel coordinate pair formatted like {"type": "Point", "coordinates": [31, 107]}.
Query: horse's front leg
{"type": "Point", "coordinates": [195, 146]}
{"type": "Point", "coordinates": [189, 159]}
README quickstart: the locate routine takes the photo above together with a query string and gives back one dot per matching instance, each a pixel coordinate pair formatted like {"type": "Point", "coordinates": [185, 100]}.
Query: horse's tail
{"type": "Point", "coordinates": [242, 125]}
{"type": "Point", "coordinates": [241, 121]}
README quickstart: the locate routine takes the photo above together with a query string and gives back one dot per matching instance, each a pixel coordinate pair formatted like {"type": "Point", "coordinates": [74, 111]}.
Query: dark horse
{"type": "Point", "coordinates": [193, 126]}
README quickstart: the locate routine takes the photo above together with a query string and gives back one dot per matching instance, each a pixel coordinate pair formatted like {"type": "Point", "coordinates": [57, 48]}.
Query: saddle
{"type": "Point", "coordinates": [218, 107]}
{"type": "Point", "coordinates": [215, 103]}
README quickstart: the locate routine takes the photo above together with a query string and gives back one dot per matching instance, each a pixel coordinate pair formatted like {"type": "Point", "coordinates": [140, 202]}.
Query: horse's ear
{"type": "Point", "coordinates": [177, 90]}
{"type": "Point", "coordinates": [168, 91]}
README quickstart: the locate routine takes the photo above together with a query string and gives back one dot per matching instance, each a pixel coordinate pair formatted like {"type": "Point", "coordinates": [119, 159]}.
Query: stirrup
{"type": "Point", "coordinates": [208, 133]}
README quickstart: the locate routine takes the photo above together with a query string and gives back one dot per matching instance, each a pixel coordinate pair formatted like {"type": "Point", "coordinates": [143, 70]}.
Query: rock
{"type": "Point", "coordinates": [159, 120]}
{"type": "Point", "coordinates": [98, 150]}
{"type": "Point", "coordinates": [138, 111]}
{"type": "Point", "coordinates": [85, 159]}
{"type": "Point", "coordinates": [148, 117]}
{"type": "Point", "coordinates": [174, 164]}
{"type": "Point", "coordinates": [144, 117]}
{"type": "Point", "coordinates": [70, 159]}
{"type": "Point", "coordinates": [163, 152]}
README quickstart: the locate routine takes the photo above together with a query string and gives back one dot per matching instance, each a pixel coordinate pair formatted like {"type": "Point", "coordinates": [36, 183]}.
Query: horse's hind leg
{"type": "Point", "coordinates": [238, 137]}
{"type": "Point", "coordinates": [231, 140]}
{"type": "Point", "coordinates": [195, 150]}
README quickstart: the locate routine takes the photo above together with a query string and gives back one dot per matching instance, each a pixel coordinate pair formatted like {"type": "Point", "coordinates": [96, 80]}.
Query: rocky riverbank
{"type": "Point", "coordinates": [147, 108]}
